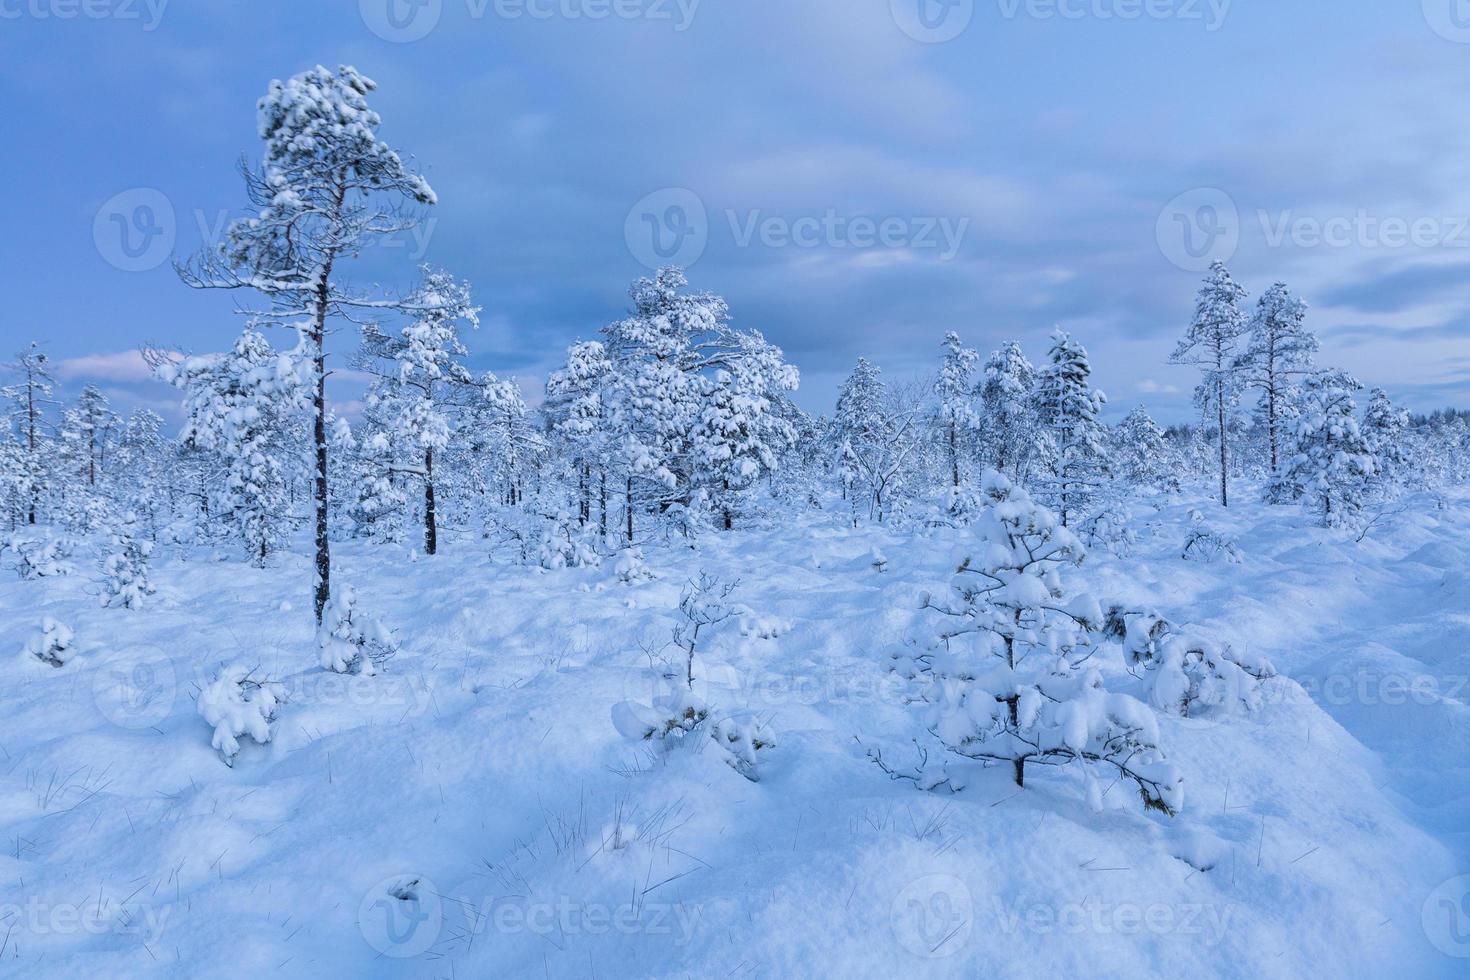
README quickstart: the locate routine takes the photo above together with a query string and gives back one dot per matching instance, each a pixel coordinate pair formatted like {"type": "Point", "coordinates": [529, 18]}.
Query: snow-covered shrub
{"type": "Point", "coordinates": [1010, 680]}
{"type": "Point", "coordinates": [1183, 673]}
{"type": "Point", "coordinates": [567, 544]}
{"type": "Point", "coordinates": [52, 644]}
{"type": "Point", "coordinates": [377, 506]}
{"type": "Point", "coordinates": [677, 714]}
{"type": "Point", "coordinates": [125, 581]}
{"type": "Point", "coordinates": [630, 568]}
{"type": "Point", "coordinates": [1204, 544]}
{"type": "Point", "coordinates": [237, 706]}
{"type": "Point", "coordinates": [42, 559]}
{"type": "Point", "coordinates": [687, 524]}
{"type": "Point", "coordinates": [1333, 468]}
{"type": "Point", "coordinates": [183, 532]}
{"type": "Point", "coordinates": [672, 718]}
{"type": "Point", "coordinates": [82, 512]}
{"type": "Point", "coordinates": [704, 603]}
{"type": "Point", "coordinates": [742, 740]}
{"type": "Point", "coordinates": [1109, 529]}
{"type": "Point", "coordinates": [349, 640]}
{"type": "Point", "coordinates": [238, 406]}
{"type": "Point", "coordinates": [1193, 674]}
{"type": "Point", "coordinates": [1385, 427]}
{"type": "Point", "coordinates": [1139, 631]}
{"type": "Point", "coordinates": [956, 507]}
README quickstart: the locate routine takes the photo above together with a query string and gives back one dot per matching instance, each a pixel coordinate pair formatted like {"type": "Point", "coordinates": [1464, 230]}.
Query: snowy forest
{"type": "Point", "coordinates": [650, 671]}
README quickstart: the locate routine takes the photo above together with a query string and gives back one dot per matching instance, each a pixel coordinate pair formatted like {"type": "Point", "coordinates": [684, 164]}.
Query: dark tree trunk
{"type": "Point", "coordinates": [954, 456]}
{"type": "Point", "coordinates": [584, 506]}
{"type": "Point", "coordinates": [431, 527]}
{"type": "Point", "coordinates": [1220, 420]}
{"type": "Point", "coordinates": [319, 440]}
{"type": "Point", "coordinates": [31, 443]}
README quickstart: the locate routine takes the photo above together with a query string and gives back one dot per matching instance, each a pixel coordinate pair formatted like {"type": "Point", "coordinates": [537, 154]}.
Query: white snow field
{"type": "Point", "coordinates": [472, 811]}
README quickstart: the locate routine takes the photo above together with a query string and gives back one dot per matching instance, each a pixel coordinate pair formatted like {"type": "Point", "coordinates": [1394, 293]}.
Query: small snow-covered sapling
{"type": "Point", "coordinates": [238, 706]}
{"type": "Point", "coordinates": [1010, 680]}
{"type": "Point", "coordinates": [350, 641]}
{"type": "Point", "coordinates": [125, 583]}
{"type": "Point", "coordinates": [52, 644]}
{"type": "Point", "coordinates": [630, 568]}
{"type": "Point", "coordinates": [42, 559]}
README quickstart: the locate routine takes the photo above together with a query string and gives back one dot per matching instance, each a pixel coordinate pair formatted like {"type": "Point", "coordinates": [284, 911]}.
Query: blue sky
{"type": "Point", "coordinates": [865, 184]}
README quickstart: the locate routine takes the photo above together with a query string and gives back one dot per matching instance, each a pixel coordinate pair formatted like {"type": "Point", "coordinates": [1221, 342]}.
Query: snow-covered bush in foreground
{"type": "Point", "coordinates": [1184, 673]}
{"type": "Point", "coordinates": [743, 739]}
{"type": "Point", "coordinates": [1010, 679]}
{"type": "Point", "coordinates": [238, 706]}
{"type": "Point", "coordinates": [677, 714]}
{"type": "Point", "coordinates": [682, 713]}
{"type": "Point", "coordinates": [705, 603]}
{"type": "Point", "coordinates": [52, 644]}
{"type": "Point", "coordinates": [1110, 529]}
{"type": "Point", "coordinates": [350, 641]}
{"type": "Point", "coordinates": [551, 540]}
{"type": "Point", "coordinates": [1207, 545]}
{"type": "Point", "coordinates": [125, 581]}
{"type": "Point", "coordinates": [566, 544]}
{"type": "Point", "coordinates": [1333, 469]}
{"type": "Point", "coordinates": [41, 559]}
{"type": "Point", "coordinates": [630, 568]}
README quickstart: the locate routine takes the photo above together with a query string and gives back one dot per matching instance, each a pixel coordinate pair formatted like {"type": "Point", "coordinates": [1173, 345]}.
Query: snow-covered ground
{"type": "Point", "coordinates": [472, 811]}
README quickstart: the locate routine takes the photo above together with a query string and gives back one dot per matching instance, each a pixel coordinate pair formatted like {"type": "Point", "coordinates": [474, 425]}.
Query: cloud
{"type": "Point", "coordinates": [1399, 288]}
{"type": "Point", "coordinates": [123, 366]}
{"type": "Point", "coordinates": [1149, 386]}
